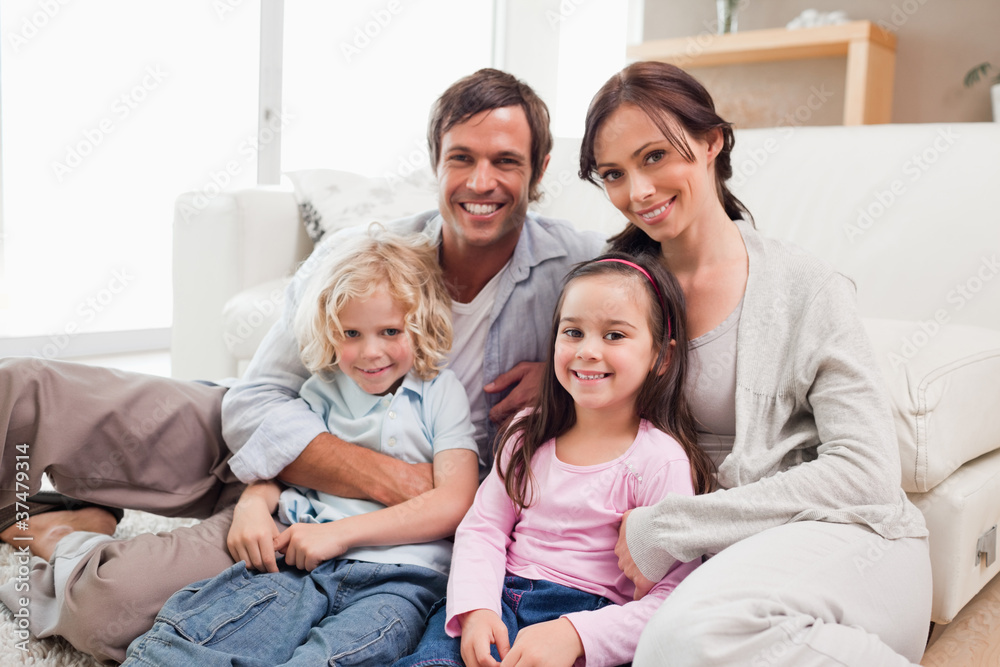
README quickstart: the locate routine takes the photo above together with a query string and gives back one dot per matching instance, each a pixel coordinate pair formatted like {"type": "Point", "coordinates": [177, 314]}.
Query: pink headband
{"type": "Point", "coordinates": [656, 288]}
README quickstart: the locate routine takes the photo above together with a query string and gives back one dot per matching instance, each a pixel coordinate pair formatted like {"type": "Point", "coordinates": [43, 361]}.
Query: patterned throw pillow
{"type": "Point", "coordinates": [329, 200]}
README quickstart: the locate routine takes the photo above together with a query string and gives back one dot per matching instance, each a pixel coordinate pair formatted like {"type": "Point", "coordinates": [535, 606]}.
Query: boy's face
{"type": "Point", "coordinates": [376, 351]}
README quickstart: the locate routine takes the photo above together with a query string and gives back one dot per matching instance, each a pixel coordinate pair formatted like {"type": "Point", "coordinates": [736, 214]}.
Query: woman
{"type": "Point", "coordinates": [823, 559]}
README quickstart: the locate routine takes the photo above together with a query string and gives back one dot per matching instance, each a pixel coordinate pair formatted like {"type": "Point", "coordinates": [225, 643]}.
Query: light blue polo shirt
{"type": "Point", "coordinates": [421, 419]}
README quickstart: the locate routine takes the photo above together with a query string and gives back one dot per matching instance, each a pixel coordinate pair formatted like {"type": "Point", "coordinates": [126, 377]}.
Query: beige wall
{"type": "Point", "coordinates": [938, 42]}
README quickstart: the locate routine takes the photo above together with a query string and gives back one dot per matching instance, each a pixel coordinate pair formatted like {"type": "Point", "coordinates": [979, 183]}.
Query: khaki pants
{"type": "Point", "coordinates": [126, 440]}
{"type": "Point", "coordinates": [803, 594]}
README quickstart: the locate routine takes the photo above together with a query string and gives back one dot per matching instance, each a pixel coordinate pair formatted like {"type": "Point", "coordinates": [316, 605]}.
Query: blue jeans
{"type": "Point", "coordinates": [344, 612]}
{"type": "Point", "coordinates": [523, 602]}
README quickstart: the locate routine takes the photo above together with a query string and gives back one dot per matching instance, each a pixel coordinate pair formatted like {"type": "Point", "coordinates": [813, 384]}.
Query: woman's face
{"type": "Point", "coordinates": [648, 180]}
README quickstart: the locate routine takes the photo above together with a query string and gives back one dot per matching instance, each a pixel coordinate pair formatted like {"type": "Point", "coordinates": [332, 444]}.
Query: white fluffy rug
{"type": "Point", "coordinates": [55, 651]}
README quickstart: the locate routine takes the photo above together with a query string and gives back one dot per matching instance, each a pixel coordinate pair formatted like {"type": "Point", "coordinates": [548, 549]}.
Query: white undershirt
{"type": "Point", "coordinates": [471, 322]}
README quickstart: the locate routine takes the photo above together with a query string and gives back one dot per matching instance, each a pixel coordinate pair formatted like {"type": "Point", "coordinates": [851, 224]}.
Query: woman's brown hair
{"type": "Point", "coordinates": [661, 399]}
{"type": "Point", "coordinates": [673, 100]}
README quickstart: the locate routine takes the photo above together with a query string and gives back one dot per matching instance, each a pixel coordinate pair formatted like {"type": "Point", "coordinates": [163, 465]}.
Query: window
{"type": "Point", "coordinates": [109, 111]}
{"type": "Point", "coordinates": [359, 78]}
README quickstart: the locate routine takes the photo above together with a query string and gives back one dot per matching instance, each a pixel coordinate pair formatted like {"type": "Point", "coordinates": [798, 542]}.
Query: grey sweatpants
{"type": "Point", "coordinates": [127, 440]}
{"type": "Point", "coordinates": [803, 594]}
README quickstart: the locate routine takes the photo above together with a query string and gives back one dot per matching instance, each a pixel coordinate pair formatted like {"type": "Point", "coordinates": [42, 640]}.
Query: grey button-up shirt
{"type": "Point", "coordinates": [267, 425]}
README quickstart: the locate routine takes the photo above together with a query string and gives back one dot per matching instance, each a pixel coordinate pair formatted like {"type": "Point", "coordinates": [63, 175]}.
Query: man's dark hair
{"type": "Point", "coordinates": [485, 90]}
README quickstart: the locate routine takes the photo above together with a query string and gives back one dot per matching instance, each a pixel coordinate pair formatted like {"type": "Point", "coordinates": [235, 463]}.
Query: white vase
{"type": "Point", "coordinates": [727, 14]}
{"type": "Point", "coordinates": [995, 96]}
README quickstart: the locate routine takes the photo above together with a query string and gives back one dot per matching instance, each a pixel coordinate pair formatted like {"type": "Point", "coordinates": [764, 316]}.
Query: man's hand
{"type": "Point", "coordinates": [527, 375]}
{"type": "Point", "coordinates": [251, 535]}
{"type": "Point", "coordinates": [627, 565]}
{"type": "Point", "coordinates": [480, 629]}
{"type": "Point", "coordinates": [550, 644]}
{"type": "Point", "coordinates": [343, 469]}
{"type": "Point", "coordinates": [306, 545]}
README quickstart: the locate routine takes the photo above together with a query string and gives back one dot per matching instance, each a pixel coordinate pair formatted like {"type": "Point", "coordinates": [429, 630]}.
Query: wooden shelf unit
{"type": "Point", "coordinates": [870, 51]}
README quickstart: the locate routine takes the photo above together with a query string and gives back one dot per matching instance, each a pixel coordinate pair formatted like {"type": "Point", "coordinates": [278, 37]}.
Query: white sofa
{"type": "Point", "coordinates": [907, 211]}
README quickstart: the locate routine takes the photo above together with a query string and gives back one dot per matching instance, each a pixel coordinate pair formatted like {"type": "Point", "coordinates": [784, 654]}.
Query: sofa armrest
{"type": "Point", "coordinates": [222, 246]}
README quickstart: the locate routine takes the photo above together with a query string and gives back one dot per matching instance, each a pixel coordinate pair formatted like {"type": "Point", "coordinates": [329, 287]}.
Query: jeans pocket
{"type": "Point", "coordinates": [210, 611]}
{"type": "Point", "coordinates": [393, 639]}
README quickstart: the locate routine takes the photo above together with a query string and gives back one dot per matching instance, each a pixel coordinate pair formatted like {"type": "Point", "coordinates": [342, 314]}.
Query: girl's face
{"type": "Point", "coordinates": [648, 180]}
{"type": "Point", "coordinates": [376, 351]}
{"type": "Point", "coordinates": [604, 348]}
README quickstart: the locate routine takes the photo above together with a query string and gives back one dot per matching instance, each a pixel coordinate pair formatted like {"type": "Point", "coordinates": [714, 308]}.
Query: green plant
{"type": "Point", "coordinates": [978, 72]}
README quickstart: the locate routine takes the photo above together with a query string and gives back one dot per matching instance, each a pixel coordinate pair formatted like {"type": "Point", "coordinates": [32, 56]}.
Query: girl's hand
{"type": "Point", "coordinates": [628, 566]}
{"type": "Point", "coordinates": [480, 629]}
{"type": "Point", "coordinates": [251, 536]}
{"type": "Point", "coordinates": [306, 545]}
{"type": "Point", "coordinates": [549, 644]}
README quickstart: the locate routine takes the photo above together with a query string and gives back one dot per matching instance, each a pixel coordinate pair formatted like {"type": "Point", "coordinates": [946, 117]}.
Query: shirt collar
{"type": "Point", "coordinates": [534, 245]}
{"type": "Point", "coordinates": [360, 402]}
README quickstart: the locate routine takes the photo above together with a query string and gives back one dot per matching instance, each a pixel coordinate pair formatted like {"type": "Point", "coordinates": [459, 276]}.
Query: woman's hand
{"type": "Point", "coordinates": [550, 644]}
{"type": "Point", "coordinates": [306, 545]}
{"type": "Point", "coordinates": [628, 566]}
{"type": "Point", "coordinates": [482, 628]}
{"type": "Point", "coordinates": [251, 536]}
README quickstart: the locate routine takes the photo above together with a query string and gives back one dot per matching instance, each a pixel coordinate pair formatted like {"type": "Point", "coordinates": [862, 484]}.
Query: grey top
{"type": "Point", "coordinates": [814, 433]}
{"type": "Point", "coordinates": [710, 386]}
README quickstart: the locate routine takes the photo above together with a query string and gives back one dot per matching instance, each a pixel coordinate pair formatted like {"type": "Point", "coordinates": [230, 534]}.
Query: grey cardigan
{"type": "Point", "coordinates": [815, 439]}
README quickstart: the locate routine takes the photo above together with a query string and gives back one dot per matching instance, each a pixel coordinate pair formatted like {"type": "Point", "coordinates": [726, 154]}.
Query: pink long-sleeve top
{"type": "Point", "coordinates": [567, 536]}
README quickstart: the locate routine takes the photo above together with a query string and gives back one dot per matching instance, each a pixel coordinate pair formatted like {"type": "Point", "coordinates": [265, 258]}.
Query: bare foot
{"type": "Point", "coordinates": [45, 530]}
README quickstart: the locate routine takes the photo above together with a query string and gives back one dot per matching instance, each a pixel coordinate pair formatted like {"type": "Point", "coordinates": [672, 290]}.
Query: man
{"type": "Point", "coordinates": [154, 444]}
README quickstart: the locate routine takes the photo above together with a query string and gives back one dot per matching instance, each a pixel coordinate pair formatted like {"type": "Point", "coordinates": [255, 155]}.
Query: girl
{"type": "Point", "coordinates": [358, 578]}
{"type": "Point", "coordinates": [821, 558]}
{"type": "Point", "coordinates": [534, 571]}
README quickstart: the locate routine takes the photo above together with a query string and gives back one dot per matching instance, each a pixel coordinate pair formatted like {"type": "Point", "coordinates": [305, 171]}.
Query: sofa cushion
{"type": "Point", "coordinates": [330, 200]}
{"type": "Point", "coordinates": [248, 316]}
{"type": "Point", "coordinates": [959, 512]}
{"type": "Point", "coordinates": [944, 380]}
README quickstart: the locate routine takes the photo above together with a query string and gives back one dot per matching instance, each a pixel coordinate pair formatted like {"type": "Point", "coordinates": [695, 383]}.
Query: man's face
{"type": "Point", "coordinates": [484, 175]}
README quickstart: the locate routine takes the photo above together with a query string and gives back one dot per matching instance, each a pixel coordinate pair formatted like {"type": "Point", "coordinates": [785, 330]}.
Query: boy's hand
{"type": "Point", "coordinates": [306, 545]}
{"type": "Point", "coordinates": [628, 566]}
{"type": "Point", "coordinates": [482, 628]}
{"type": "Point", "coordinates": [251, 537]}
{"type": "Point", "coordinates": [550, 644]}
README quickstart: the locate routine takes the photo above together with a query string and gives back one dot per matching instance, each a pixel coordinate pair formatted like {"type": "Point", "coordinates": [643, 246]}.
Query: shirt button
{"type": "Point", "coordinates": [392, 442]}
{"type": "Point", "coordinates": [392, 414]}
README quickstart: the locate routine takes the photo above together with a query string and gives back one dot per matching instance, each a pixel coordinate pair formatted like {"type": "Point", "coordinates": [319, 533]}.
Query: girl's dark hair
{"type": "Point", "coordinates": [661, 399]}
{"type": "Point", "coordinates": [673, 100]}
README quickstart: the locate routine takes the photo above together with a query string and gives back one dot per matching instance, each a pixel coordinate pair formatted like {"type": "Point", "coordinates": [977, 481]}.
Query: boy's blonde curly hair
{"type": "Point", "coordinates": [359, 265]}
